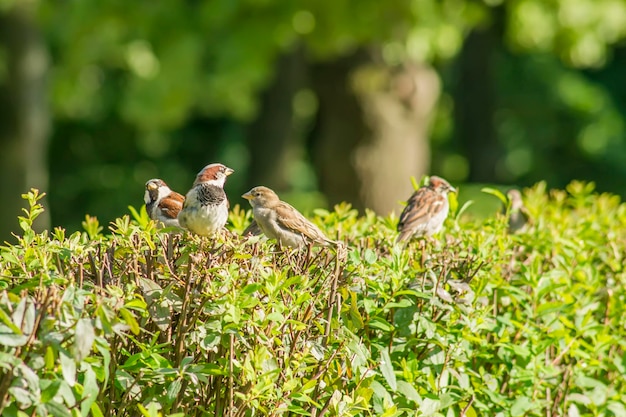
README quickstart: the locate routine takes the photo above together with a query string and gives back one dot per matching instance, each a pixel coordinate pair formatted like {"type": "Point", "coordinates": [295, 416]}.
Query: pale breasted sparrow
{"type": "Point", "coordinates": [281, 221]}
{"type": "Point", "coordinates": [426, 210]}
{"type": "Point", "coordinates": [205, 210]}
{"type": "Point", "coordinates": [162, 204]}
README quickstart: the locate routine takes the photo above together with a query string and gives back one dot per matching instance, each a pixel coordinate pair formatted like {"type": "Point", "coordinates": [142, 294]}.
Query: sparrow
{"type": "Point", "coordinates": [517, 212]}
{"type": "Point", "coordinates": [162, 204]}
{"type": "Point", "coordinates": [426, 210]}
{"type": "Point", "coordinates": [205, 210]}
{"type": "Point", "coordinates": [281, 221]}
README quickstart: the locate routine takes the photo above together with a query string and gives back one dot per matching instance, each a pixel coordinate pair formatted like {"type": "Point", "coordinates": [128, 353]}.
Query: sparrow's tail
{"type": "Point", "coordinates": [403, 236]}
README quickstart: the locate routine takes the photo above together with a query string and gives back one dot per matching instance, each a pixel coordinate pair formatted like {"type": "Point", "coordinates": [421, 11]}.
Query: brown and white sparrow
{"type": "Point", "coordinates": [279, 220]}
{"type": "Point", "coordinates": [518, 215]}
{"type": "Point", "coordinates": [205, 210]}
{"type": "Point", "coordinates": [162, 204]}
{"type": "Point", "coordinates": [426, 210]}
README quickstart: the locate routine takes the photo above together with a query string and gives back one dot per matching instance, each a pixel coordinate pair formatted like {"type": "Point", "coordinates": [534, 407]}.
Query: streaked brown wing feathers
{"type": "Point", "coordinates": [422, 205]}
{"type": "Point", "coordinates": [292, 219]}
{"type": "Point", "coordinates": [172, 205]}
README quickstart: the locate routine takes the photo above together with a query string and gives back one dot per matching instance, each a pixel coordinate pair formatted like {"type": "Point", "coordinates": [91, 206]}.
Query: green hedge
{"type": "Point", "coordinates": [477, 322]}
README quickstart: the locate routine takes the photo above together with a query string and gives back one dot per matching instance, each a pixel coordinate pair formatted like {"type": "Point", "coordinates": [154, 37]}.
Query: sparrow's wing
{"type": "Point", "coordinates": [421, 207]}
{"type": "Point", "coordinates": [172, 204]}
{"type": "Point", "coordinates": [253, 229]}
{"type": "Point", "coordinates": [290, 218]}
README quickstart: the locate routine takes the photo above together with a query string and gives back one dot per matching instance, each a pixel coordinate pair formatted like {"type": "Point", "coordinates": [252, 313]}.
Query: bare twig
{"type": "Point", "coordinates": [231, 382]}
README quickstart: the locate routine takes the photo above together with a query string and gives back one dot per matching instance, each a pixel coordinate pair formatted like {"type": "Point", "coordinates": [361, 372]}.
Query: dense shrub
{"type": "Point", "coordinates": [141, 321]}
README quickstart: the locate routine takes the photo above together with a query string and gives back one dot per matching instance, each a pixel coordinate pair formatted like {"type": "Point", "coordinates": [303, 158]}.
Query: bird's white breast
{"type": "Point", "coordinates": [433, 224]}
{"type": "Point", "coordinates": [202, 220]}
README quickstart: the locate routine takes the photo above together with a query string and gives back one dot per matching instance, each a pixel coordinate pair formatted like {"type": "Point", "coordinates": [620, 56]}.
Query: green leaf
{"type": "Point", "coordinates": [275, 316]}
{"type": "Point", "coordinates": [403, 303]}
{"type": "Point", "coordinates": [10, 258]}
{"type": "Point", "coordinates": [158, 308]}
{"type": "Point", "coordinates": [172, 391]}
{"type": "Point", "coordinates": [296, 409]}
{"type": "Point", "coordinates": [392, 412]}
{"type": "Point", "coordinates": [617, 408]}
{"type": "Point", "coordinates": [13, 340]}
{"type": "Point", "coordinates": [588, 382]}
{"type": "Point", "coordinates": [415, 183]}
{"type": "Point", "coordinates": [370, 256]}
{"type": "Point", "coordinates": [150, 289]}
{"type": "Point", "coordinates": [233, 314]}
{"type": "Point", "coordinates": [49, 358]}
{"type": "Point", "coordinates": [252, 288]}
{"type": "Point", "coordinates": [386, 368]}
{"type": "Point", "coordinates": [130, 320]}
{"type": "Point", "coordinates": [90, 389]}
{"type": "Point", "coordinates": [68, 369]}
{"type": "Point", "coordinates": [497, 193]}
{"type": "Point", "coordinates": [136, 304]}
{"type": "Point", "coordinates": [50, 390]}
{"type": "Point", "coordinates": [91, 225]}
{"type": "Point", "coordinates": [84, 338]}
{"type": "Point", "coordinates": [430, 406]}
{"type": "Point", "coordinates": [409, 391]}
{"type": "Point", "coordinates": [550, 307]}
{"type": "Point", "coordinates": [355, 316]}
{"type": "Point", "coordinates": [12, 411]}
{"type": "Point", "coordinates": [380, 323]}
{"type": "Point", "coordinates": [24, 316]}
{"type": "Point", "coordinates": [140, 216]}
{"type": "Point", "coordinates": [151, 411]}
{"type": "Point", "coordinates": [22, 396]}
{"type": "Point", "coordinates": [95, 410]}
{"type": "Point", "coordinates": [521, 405]}
{"type": "Point", "coordinates": [382, 398]}
{"type": "Point", "coordinates": [463, 208]}
{"type": "Point", "coordinates": [58, 410]}
{"type": "Point", "coordinates": [8, 361]}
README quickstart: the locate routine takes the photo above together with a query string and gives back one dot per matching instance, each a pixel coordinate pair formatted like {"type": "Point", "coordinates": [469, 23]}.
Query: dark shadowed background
{"type": "Point", "coordinates": [322, 101]}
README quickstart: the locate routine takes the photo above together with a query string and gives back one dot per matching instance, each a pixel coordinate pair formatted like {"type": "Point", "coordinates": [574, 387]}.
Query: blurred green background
{"type": "Point", "coordinates": [324, 101]}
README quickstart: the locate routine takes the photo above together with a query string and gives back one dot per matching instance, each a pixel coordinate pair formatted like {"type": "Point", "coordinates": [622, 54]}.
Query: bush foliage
{"type": "Point", "coordinates": [142, 321]}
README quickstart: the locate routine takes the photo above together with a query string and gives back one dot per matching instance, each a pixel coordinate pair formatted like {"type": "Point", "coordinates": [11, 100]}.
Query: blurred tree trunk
{"type": "Point", "coordinates": [475, 105]}
{"type": "Point", "coordinates": [271, 135]}
{"type": "Point", "coordinates": [23, 115]}
{"type": "Point", "coordinates": [372, 130]}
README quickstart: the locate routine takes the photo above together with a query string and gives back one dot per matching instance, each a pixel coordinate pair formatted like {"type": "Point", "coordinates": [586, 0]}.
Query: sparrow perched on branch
{"type": "Point", "coordinates": [205, 210]}
{"type": "Point", "coordinates": [279, 220]}
{"type": "Point", "coordinates": [162, 204]}
{"type": "Point", "coordinates": [518, 214]}
{"type": "Point", "coordinates": [426, 210]}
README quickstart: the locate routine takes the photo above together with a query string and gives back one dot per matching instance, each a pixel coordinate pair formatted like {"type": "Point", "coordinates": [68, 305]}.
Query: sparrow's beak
{"type": "Point", "coordinates": [248, 196]}
{"type": "Point", "coordinates": [453, 190]}
{"type": "Point", "coordinates": [152, 186]}
{"type": "Point", "coordinates": [228, 171]}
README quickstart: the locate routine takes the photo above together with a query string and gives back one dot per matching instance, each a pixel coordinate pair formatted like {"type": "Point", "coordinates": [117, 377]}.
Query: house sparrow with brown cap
{"type": "Point", "coordinates": [281, 221]}
{"type": "Point", "coordinates": [162, 204]}
{"type": "Point", "coordinates": [517, 212]}
{"type": "Point", "coordinates": [426, 210]}
{"type": "Point", "coordinates": [205, 210]}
